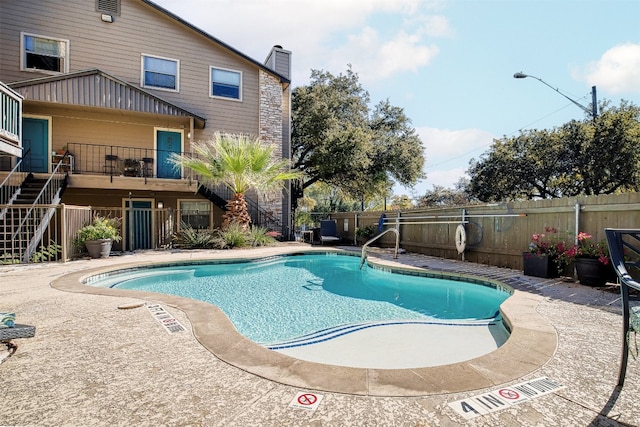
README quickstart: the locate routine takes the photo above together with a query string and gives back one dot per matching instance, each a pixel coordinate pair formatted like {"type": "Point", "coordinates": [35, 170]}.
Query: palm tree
{"type": "Point", "coordinates": [241, 163]}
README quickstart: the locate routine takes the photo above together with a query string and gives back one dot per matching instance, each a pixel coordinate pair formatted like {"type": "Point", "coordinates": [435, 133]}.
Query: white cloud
{"type": "Point", "coordinates": [447, 155]}
{"type": "Point", "coordinates": [448, 148]}
{"type": "Point", "coordinates": [375, 58]}
{"type": "Point", "coordinates": [326, 35]}
{"type": "Point", "coordinates": [617, 71]}
{"type": "Point", "coordinates": [446, 178]}
{"type": "Point", "coordinates": [404, 52]}
{"type": "Point", "coordinates": [432, 25]}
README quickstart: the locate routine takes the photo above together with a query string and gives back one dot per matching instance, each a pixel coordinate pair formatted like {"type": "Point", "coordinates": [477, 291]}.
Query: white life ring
{"type": "Point", "coordinates": [461, 238]}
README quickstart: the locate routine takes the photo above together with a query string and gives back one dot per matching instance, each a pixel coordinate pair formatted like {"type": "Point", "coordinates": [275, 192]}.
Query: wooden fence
{"type": "Point", "coordinates": [141, 228]}
{"type": "Point", "coordinates": [497, 234]}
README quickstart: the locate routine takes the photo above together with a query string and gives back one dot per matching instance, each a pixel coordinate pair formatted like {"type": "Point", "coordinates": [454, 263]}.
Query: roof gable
{"type": "Point", "coordinates": [95, 88]}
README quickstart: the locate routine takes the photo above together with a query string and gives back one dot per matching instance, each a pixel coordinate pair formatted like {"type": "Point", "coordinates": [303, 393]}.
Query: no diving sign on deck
{"type": "Point", "coordinates": [306, 400]}
{"type": "Point", "coordinates": [170, 323]}
{"type": "Point", "coordinates": [504, 397]}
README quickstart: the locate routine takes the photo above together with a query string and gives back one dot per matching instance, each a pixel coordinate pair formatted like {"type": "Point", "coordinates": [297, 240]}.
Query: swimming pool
{"type": "Point", "coordinates": [298, 300]}
{"type": "Point", "coordinates": [531, 344]}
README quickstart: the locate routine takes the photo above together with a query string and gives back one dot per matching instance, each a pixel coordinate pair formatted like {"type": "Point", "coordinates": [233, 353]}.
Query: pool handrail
{"type": "Point", "coordinates": [363, 257]}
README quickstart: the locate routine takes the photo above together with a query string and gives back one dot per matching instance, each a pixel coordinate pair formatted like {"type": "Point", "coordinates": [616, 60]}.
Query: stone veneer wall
{"type": "Point", "coordinates": [271, 132]}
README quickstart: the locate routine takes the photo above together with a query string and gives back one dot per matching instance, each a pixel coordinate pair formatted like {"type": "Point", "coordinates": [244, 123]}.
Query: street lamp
{"type": "Point", "coordinates": [593, 112]}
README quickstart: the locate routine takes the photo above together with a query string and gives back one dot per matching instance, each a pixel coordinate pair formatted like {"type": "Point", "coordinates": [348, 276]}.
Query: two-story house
{"type": "Point", "coordinates": [111, 88]}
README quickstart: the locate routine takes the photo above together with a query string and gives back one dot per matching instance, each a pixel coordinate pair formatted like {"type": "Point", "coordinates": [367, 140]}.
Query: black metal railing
{"type": "Point", "coordinates": [10, 186]}
{"type": "Point", "coordinates": [114, 160]}
{"type": "Point", "coordinates": [624, 248]}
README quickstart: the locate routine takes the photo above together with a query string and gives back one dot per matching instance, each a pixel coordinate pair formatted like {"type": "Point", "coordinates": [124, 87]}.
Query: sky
{"type": "Point", "coordinates": [448, 63]}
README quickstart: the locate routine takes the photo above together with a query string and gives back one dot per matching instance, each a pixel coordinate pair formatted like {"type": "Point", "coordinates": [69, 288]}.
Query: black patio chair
{"type": "Point", "coordinates": [624, 248]}
{"type": "Point", "coordinates": [147, 166]}
{"type": "Point", "coordinates": [110, 164]}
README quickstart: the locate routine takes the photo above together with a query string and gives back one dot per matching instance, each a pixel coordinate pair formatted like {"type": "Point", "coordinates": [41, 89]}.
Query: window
{"type": "Point", "coordinates": [160, 73]}
{"type": "Point", "coordinates": [195, 213]}
{"type": "Point", "coordinates": [44, 53]}
{"type": "Point", "coordinates": [226, 83]}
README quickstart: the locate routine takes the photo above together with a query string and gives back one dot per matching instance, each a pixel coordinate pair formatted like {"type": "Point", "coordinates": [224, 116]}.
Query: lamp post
{"type": "Point", "coordinates": [593, 112]}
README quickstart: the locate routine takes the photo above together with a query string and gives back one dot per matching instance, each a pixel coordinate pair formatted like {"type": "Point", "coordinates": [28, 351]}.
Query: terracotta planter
{"type": "Point", "coordinates": [592, 272]}
{"type": "Point", "coordinates": [539, 265]}
{"type": "Point", "coordinates": [99, 248]}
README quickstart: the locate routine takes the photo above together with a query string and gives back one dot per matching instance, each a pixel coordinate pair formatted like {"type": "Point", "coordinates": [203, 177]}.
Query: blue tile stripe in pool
{"type": "Point", "coordinates": [332, 333]}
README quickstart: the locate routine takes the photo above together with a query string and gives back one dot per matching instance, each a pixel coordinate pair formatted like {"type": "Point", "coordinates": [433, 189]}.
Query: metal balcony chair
{"type": "Point", "coordinates": [624, 248]}
{"type": "Point", "coordinates": [147, 166]}
{"type": "Point", "coordinates": [110, 164]}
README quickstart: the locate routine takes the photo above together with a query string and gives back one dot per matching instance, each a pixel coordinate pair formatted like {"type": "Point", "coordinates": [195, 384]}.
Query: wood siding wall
{"type": "Point", "coordinates": [498, 234]}
{"type": "Point", "coordinates": [117, 49]}
{"type": "Point", "coordinates": [103, 127]}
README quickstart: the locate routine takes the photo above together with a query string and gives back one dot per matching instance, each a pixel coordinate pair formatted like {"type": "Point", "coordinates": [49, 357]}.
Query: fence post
{"type": "Point", "coordinates": [578, 207]}
{"type": "Point", "coordinates": [463, 217]}
{"type": "Point", "coordinates": [63, 232]}
{"type": "Point", "coordinates": [129, 217]}
{"type": "Point", "coordinates": [355, 229]}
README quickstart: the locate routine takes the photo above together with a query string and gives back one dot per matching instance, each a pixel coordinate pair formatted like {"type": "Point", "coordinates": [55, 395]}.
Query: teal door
{"type": "Point", "coordinates": [35, 137]}
{"type": "Point", "coordinates": [138, 225]}
{"type": "Point", "coordinates": [167, 143]}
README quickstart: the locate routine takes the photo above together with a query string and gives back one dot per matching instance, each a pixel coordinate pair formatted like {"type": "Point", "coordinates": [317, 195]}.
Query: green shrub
{"type": "Point", "coordinates": [234, 236]}
{"type": "Point", "coordinates": [366, 232]}
{"type": "Point", "coordinates": [260, 236]}
{"type": "Point", "coordinates": [190, 238]}
{"type": "Point", "coordinates": [50, 252]}
{"type": "Point", "coordinates": [9, 258]}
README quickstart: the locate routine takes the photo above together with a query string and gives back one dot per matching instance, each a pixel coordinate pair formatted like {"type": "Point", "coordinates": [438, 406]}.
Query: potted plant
{"type": "Point", "coordinates": [591, 260]}
{"type": "Point", "coordinates": [542, 258]}
{"type": "Point", "coordinates": [98, 236]}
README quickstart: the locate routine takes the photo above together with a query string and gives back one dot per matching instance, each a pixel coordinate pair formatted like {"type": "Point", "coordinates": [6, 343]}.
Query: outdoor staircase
{"type": "Point", "coordinates": [29, 190]}
{"type": "Point", "coordinates": [259, 216]}
{"type": "Point", "coordinates": [26, 216]}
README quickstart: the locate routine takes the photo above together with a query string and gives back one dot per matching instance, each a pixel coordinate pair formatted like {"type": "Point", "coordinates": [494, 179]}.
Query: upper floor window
{"type": "Point", "coordinates": [160, 73]}
{"type": "Point", "coordinates": [44, 53]}
{"type": "Point", "coordinates": [226, 83]}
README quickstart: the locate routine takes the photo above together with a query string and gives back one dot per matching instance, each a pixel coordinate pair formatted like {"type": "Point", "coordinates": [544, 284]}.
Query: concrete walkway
{"type": "Point", "coordinates": [91, 363]}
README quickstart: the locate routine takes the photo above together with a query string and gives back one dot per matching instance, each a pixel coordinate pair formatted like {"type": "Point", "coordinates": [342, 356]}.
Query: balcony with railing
{"type": "Point", "coordinates": [10, 118]}
{"type": "Point", "coordinates": [147, 163]}
{"type": "Point", "coordinates": [114, 160]}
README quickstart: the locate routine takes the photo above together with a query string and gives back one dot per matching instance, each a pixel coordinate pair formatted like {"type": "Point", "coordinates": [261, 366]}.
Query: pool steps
{"type": "Point", "coordinates": [338, 331]}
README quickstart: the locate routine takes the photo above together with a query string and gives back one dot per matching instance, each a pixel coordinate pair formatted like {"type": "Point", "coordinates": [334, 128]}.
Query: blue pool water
{"type": "Point", "coordinates": [285, 297]}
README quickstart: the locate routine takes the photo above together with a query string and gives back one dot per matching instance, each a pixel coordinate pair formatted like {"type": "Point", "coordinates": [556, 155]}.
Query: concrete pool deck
{"type": "Point", "coordinates": [91, 363]}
